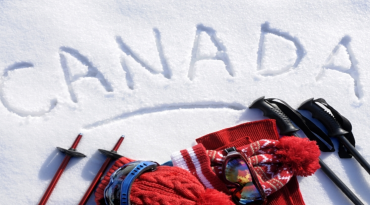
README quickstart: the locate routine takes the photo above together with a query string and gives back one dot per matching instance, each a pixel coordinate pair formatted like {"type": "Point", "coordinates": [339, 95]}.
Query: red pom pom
{"type": "Point", "coordinates": [214, 197]}
{"type": "Point", "coordinates": [300, 154]}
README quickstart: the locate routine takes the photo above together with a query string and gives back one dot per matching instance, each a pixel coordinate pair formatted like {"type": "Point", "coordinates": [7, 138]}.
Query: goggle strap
{"type": "Point", "coordinates": [130, 178]}
{"type": "Point", "coordinates": [230, 149]}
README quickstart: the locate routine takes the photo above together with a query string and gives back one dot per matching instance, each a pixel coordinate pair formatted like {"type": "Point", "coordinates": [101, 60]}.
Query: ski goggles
{"type": "Point", "coordinates": [241, 178]}
{"type": "Point", "coordinates": [118, 190]}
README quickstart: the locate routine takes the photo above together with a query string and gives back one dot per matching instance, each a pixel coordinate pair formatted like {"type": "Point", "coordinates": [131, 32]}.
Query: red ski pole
{"type": "Point", "coordinates": [71, 152]}
{"type": "Point", "coordinates": [111, 155]}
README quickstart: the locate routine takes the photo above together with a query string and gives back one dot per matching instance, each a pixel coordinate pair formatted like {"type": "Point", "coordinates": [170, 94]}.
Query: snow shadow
{"type": "Point", "coordinates": [93, 165]}
{"type": "Point", "coordinates": [331, 190]}
{"type": "Point", "coordinates": [52, 163]}
{"type": "Point", "coordinates": [251, 115]}
{"type": "Point", "coordinates": [356, 174]}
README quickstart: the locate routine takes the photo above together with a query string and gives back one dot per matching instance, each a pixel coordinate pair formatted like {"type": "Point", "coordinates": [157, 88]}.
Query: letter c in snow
{"type": "Point", "coordinates": [17, 111]}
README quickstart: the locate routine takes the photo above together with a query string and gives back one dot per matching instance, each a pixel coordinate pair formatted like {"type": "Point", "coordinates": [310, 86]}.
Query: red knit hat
{"type": "Point", "coordinates": [166, 186]}
{"type": "Point", "coordinates": [247, 133]}
{"type": "Point", "coordinates": [275, 162]}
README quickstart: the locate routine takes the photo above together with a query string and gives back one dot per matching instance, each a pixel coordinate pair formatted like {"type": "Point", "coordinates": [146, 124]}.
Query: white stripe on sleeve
{"type": "Point", "coordinates": [198, 168]}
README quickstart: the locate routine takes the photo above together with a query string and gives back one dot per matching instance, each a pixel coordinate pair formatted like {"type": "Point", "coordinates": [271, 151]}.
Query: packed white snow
{"type": "Point", "coordinates": [164, 73]}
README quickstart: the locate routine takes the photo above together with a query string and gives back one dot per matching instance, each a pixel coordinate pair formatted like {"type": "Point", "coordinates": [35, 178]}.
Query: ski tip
{"type": "Point", "coordinates": [80, 134]}
{"type": "Point", "coordinates": [123, 136]}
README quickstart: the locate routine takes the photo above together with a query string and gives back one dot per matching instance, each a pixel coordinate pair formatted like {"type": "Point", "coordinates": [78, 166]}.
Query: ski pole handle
{"type": "Point", "coordinates": [273, 111]}
{"type": "Point", "coordinates": [334, 129]}
{"type": "Point", "coordinates": [323, 116]}
{"type": "Point", "coordinates": [284, 122]}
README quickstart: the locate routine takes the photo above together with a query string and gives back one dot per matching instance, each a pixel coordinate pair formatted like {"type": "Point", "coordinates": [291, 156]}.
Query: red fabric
{"type": "Point", "coordinates": [205, 166]}
{"type": "Point", "coordinates": [196, 161]}
{"type": "Point", "coordinates": [240, 135]}
{"type": "Point", "coordinates": [302, 156]}
{"type": "Point", "coordinates": [166, 186]}
{"type": "Point", "coordinates": [275, 161]}
{"type": "Point", "coordinates": [214, 197]}
{"type": "Point", "coordinates": [247, 133]}
{"type": "Point", "coordinates": [99, 193]}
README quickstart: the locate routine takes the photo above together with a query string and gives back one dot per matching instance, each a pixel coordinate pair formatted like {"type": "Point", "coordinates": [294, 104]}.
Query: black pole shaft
{"type": "Point", "coordinates": [325, 168]}
{"type": "Point", "coordinates": [354, 152]}
{"type": "Point", "coordinates": [339, 183]}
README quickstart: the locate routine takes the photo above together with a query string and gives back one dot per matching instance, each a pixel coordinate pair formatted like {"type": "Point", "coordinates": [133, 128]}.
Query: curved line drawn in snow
{"type": "Point", "coordinates": [165, 108]}
{"type": "Point", "coordinates": [352, 70]}
{"type": "Point", "coordinates": [20, 112]}
{"type": "Point", "coordinates": [221, 53]}
{"type": "Point", "coordinates": [300, 51]}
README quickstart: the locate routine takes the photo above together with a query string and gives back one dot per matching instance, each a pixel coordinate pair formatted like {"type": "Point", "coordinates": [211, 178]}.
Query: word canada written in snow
{"type": "Point", "coordinates": [220, 55]}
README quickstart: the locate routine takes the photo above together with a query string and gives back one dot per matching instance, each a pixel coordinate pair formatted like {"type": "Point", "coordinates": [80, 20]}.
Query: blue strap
{"type": "Point", "coordinates": [168, 163]}
{"type": "Point", "coordinates": [130, 178]}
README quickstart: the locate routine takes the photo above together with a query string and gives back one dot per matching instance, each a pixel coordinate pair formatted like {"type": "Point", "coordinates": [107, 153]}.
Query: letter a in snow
{"type": "Point", "coordinates": [219, 55]}
{"type": "Point", "coordinates": [91, 71]}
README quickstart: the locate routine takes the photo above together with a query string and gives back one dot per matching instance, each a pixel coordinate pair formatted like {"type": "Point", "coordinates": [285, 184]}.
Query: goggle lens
{"type": "Point", "coordinates": [113, 190]}
{"type": "Point", "coordinates": [237, 172]}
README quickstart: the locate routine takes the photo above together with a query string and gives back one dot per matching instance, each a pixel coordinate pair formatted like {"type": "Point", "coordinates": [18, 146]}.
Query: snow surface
{"type": "Point", "coordinates": [164, 73]}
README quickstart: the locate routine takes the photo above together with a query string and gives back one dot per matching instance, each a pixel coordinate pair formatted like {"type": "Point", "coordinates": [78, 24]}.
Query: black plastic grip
{"type": "Point", "coordinates": [71, 152]}
{"type": "Point", "coordinates": [111, 154]}
{"type": "Point", "coordinates": [324, 117]}
{"type": "Point", "coordinates": [273, 111]}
